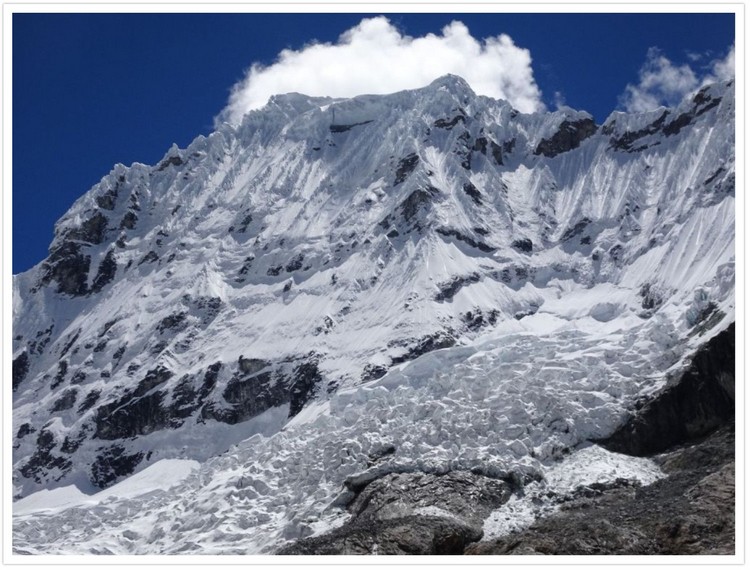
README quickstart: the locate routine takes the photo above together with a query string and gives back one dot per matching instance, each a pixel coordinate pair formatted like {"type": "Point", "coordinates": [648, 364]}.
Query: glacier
{"type": "Point", "coordinates": [340, 289]}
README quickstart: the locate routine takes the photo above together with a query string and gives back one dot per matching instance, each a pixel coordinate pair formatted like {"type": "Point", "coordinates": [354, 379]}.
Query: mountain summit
{"type": "Point", "coordinates": [337, 290]}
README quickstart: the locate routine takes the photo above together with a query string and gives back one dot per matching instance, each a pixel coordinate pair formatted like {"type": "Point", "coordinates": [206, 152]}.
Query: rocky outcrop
{"type": "Point", "coordinates": [688, 512]}
{"type": "Point", "coordinates": [692, 405]}
{"type": "Point", "coordinates": [570, 135]}
{"type": "Point", "coordinates": [412, 513]}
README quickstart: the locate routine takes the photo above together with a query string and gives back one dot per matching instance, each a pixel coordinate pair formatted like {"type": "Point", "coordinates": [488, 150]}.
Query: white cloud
{"type": "Point", "coordinates": [374, 57]}
{"type": "Point", "coordinates": [661, 82]}
{"type": "Point", "coordinates": [722, 69]}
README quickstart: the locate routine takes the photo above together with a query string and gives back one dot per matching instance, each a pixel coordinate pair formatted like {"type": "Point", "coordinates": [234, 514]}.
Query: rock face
{"type": "Point", "coordinates": [692, 405]}
{"type": "Point", "coordinates": [413, 513]}
{"type": "Point", "coordinates": [688, 512]}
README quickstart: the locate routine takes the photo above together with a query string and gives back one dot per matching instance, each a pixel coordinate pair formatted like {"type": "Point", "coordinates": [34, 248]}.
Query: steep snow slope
{"type": "Point", "coordinates": [429, 273]}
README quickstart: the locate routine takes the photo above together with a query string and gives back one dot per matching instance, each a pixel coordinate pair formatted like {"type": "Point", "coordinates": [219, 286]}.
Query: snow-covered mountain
{"type": "Point", "coordinates": [339, 289]}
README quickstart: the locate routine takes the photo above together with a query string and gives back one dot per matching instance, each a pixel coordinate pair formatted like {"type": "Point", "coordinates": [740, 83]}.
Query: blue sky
{"type": "Point", "coordinates": [91, 90]}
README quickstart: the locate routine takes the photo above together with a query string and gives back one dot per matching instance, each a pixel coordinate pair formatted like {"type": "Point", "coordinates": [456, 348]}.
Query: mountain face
{"type": "Point", "coordinates": [336, 291]}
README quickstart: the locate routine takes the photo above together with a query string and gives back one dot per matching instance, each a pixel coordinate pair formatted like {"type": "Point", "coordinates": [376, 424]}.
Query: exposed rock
{"type": "Point", "coordinates": [576, 230]}
{"type": "Point", "coordinates": [175, 322]}
{"type": "Point", "coordinates": [688, 512]}
{"type": "Point", "coordinates": [137, 412]}
{"type": "Point", "coordinates": [473, 193]}
{"type": "Point", "coordinates": [169, 161]}
{"type": "Point", "coordinates": [68, 267]}
{"type": "Point", "coordinates": [89, 401]}
{"type": "Point", "coordinates": [413, 513]}
{"type": "Point", "coordinates": [252, 365]}
{"type": "Point", "coordinates": [568, 136]}
{"type": "Point", "coordinates": [305, 381]}
{"type": "Point", "coordinates": [92, 231]}
{"type": "Point", "coordinates": [106, 272]}
{"type": "Point", "coordinates": [20, 369]}
{"type": "Point", "coordinates": [448, 289]}
{"type": "Point", "coordinates": [150, 257]}
{"type": "Point", "coordinates": [481, 246]}
{"type": "Point", "coordinates": [458, 494]}
{"type": "Point", "coordinates": [525, 245]}
{"type": "Point", "coordinates": [405, 167]}
{"type": "Point", "coordinates": [344, 128]}
{"type": "Point", "coordinates": [43, 461]}
{"type": "Point", "coordinates": [111, 464]}
{"type": "Point", "coordinates": [417, 199]}
{"type": "Point", "coordinates": [128, 221]}
{"type": "Point", "coordinates": [428, 343]}
{"type": "Point", "coordinates": [693, 404]}
{"type": "Point", "coordinates": [65, 402]}
{"type": "Point", "coordinates": [24, 430]}
{"type": "Point", "coordinates": [627, 140]}
{"type": "Point", "coordinates": [408, 535]}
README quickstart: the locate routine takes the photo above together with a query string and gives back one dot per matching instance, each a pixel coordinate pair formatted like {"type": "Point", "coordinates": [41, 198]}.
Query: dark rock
{"type": "Point", "coordinates": [106, 272]}
{"type": "Point", "coordinates": [306, 379]}
{"type": "Point", "coordinates": [150, 257]}
{"type": "Point", "coordinates": [408, 535]}
{"type": "Point", "coordinates": [448, 289]}
{"type": "Point", "coordinates": [627, 140]}
{"type": "Point", "coordinates": [416, 200]}
{"type": "Point", "coordinates": [113, 463]}
{"type": "Point", "coordinates": [481, 246]}
{"type": "Point", "coordinates": [137, 412]}
{"type": "Point", "coordinates": [21, 366]}
{"type": "Point", "coordinates": [576, 230]}
{"type": "Point", "coordinates": [174, 322]}
{"type": "Point", "coordinates": [373, 372]}
{"type": "Point", "coordinates": [92, 231]}
{"type": "Point", "coordinates": [41, 341]}
{"type": "Point", "coordinates": [525, 245]}
{"type": "Point", "coordinates": [106, 201]}
{"type": "Point", "coordinates": [295, 263]}
{"type": "Point", "coordinates": [467, 496]}
{"type": "Point", "coordinates": [43, 461]}
{"type": "Point", "coordinates": [473, 193]}
{"type": "Point", "coordinates": [386, 515]}
{"type": "Point", "coordinates": [128, 221]}
{"type": "Point", "coordinates": [688, 512]}
{"type": "Point", "coordinates": [153, 378]}
{"type": "Point", "coordinates": [450, 123]}
{"type": "Point", "coordinates": [249, 396]}
{"type": "Point", "coordinates": [252, 366]}
{"type": "Point", "coordinates": [169, 161]}
{"type": "Point", "coordinates": [89, 401]}
{"type": "Point", "coordinates": [476, 319]}
{"type": "Point", "coordinates": [24, 430]}
{"type": "Point", "coordinates": [69, 342]}
{"type": "Point", "coordinates": [68, 267]}
{"type": "Point", "coordinates": [428, 343]}
{"type": "Point", "coordinates": [65, 402]}
{"type": "Point", "coordinates": [692, 405]}
{"type": "Point", "coordinates": [62, 371]}
{"type": "Point", "coordinates": [480, 145]}
{"type": "Point", "coordinates": [569, 136]}
{"type": "Point", "coordinates": [344, 128]}
{"type": "Point", "coordinates": [676, 125]}
{"type": "Point", "coordinates": [274, 271]}
{"type": "Point", "coordinates": [405, 167]}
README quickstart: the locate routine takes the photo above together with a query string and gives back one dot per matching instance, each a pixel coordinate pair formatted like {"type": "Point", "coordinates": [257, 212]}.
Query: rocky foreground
{"type": "Point", "coordinates": [690, 511]}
